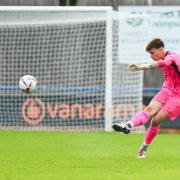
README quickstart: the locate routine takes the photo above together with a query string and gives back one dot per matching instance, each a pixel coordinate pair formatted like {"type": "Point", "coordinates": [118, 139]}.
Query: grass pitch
{"type": "Point", "coordinates": [86, 156]}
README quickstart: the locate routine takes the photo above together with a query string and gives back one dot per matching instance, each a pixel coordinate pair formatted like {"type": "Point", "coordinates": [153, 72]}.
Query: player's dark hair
{"type": "Point", "coordinates": [155, 43]}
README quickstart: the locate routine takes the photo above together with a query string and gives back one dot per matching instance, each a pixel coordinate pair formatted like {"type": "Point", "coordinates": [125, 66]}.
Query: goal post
{"type": "Point", "coordinates": [74, 54]}
{"type": "Point", "coordinates": [108, 81]}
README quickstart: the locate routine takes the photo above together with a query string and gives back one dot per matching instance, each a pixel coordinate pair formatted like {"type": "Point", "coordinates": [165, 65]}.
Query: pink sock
{"type": "Point", "coordinates": [139, 119]}
{"type": "Point", "coordinates": [151, 134]}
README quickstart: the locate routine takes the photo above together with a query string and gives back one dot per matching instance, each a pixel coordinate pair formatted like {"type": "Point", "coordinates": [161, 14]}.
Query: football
{"type": "Point", "coordinates": [27, 84]}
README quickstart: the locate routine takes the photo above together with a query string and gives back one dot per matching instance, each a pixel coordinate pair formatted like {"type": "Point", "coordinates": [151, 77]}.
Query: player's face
{"type": "Point", "coordinates": [156, 54]}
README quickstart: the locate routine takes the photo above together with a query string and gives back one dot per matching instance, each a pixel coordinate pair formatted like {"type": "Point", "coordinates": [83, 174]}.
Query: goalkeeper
{"type": "Point", "coordinates": [166, 104]}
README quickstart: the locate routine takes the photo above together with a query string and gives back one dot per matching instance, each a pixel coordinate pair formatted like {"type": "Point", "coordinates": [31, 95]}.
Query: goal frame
{"type": "Point", "coordinates": [109, 13]}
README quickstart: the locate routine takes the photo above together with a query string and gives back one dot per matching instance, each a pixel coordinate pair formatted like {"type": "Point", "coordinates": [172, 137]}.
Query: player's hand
{"type": "Point", "coordinates": [135, 67]}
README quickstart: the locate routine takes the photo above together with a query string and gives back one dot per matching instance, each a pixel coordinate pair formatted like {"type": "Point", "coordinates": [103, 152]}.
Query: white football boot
{"type": "Point", "coordinates": [142, 151]}
{"type": "Point", "coordinates": [123, 127]}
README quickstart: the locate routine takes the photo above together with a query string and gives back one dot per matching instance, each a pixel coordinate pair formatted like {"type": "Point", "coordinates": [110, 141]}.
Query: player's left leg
{"type": "Point", "coordinates": [152, 131]}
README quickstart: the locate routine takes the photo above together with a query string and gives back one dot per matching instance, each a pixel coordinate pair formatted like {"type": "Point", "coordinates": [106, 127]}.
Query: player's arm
{"type": "Point", "coordinates": [139, 67]}
{"type": "Point", "coordinates": [169, 60]}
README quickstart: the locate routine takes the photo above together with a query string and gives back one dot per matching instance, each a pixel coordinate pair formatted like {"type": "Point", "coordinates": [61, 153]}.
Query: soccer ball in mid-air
{"type": "Point", "coordinates": [27, 84]}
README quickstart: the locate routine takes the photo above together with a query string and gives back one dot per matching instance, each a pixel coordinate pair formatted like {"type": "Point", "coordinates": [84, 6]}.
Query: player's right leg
{"type": "Point", "coordinates": [138, 119]}
{"type": "Point", "coordinates": [152, 131]}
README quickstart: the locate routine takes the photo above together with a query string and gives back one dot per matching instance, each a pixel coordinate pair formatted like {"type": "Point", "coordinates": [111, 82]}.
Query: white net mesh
{"type": "Point", "coordinates": [66, 52]}
{"type": "Point", "coordinates": [127, 86]}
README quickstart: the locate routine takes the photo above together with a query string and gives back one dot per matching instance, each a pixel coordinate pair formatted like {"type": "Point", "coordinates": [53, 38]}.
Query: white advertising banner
{"type": "Point", "coordinates": [162, 22]}
{"type": "Point", "coordinates": [132, 38]}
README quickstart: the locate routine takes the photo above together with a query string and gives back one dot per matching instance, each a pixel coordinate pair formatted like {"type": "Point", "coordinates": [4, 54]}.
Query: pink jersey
{"type": "Point", "coordinates": [170, 66]}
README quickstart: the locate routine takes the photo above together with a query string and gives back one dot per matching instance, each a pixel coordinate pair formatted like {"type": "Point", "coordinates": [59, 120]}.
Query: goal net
{"type": "Point", "coordinates": [127, 87]}
{"type": "Point", "coordinates": [73, 53]}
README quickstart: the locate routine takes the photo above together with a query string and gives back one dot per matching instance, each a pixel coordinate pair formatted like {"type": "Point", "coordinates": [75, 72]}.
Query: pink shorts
{"type": "Point", "coordinates": [170, 101]}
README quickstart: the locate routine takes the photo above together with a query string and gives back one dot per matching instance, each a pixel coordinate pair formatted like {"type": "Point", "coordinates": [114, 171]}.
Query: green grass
{"type": "Point", "coordinates": [86, 156]}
